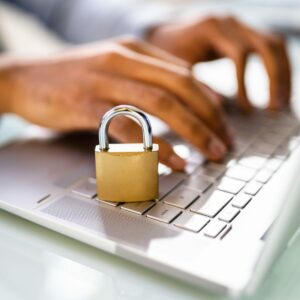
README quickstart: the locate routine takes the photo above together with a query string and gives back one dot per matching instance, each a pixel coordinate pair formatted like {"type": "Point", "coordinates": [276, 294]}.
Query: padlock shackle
{"type": "Point", "coordinates": [130, 111]}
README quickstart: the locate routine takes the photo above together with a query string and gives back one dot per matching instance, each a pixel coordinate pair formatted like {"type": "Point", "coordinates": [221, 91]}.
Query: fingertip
{"type": "Point", "coordinates": [168, 157]}
{"type": "Point", "coordinates": [217, 150]}
{"type": "Point", "coordinates": [275, 105]}
{"type": "Point", "coordinates": [176, 162]}
{"type": "Point", "coordinates": [246, 107]}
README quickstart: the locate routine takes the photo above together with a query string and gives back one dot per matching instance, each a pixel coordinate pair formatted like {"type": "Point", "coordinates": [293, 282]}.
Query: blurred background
{"type": "Point", "coordinates": [22, 31]}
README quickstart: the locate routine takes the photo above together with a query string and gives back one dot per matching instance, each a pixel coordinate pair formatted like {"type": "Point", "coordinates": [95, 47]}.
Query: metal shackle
{"type": "Point", "coordinates": [132, 112]}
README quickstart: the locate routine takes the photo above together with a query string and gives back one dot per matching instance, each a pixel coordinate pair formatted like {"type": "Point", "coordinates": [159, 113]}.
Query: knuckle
{"type": "Point", "coordinates": [214, 114]}
{"type": "Point", "coordinates": [211, 20]}
{"type": "Point", "coordinates": [129, 41]}
{"type": "Point", "coordinates": [240, 53]}
{"type": "Point", "coordinates": [274, 41]}
{"type": "Point", "coordinates": [208, 23]}
{"type": "Point", "coordinates": [232, 20]}
{"type": "Point", "coordinates": [110, 56]}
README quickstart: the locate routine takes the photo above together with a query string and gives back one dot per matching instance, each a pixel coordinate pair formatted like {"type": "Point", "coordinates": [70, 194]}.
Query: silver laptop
{"type": "Point", "coordinates": [219, 226]}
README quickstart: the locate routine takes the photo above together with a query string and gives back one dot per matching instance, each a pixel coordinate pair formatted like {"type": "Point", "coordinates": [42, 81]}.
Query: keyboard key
{"type": "Point", "coordinates": [225, 232]}
{"type": "Point", "coordinates": [181, 197]}
{"type": "Point", "coordinates": [163, 213]}
{"type": "Point", "coordinates": [138, 207]}
{"type": "Point", "coordinates": [195, 157]}
{"type": "Point", "coordinates": [212, 170]}
{"type": "Point", "coordinates": [214, 228]}
{"type": "Point", "coordinates": [188, 152]}
{"type": "Point", "coordinates": [263, 176]}
{"type": "Point", "coordinates": [252, 188]}
{"type": "Point", "coordinates": [86, 189]}
{"type": "Point", "coordinates": [110, 203]}
{"type": "Point", "coordinates": [231, 185]}
{"type": "Point", "coordinates": [215, 203]}
{"type": "Point", "coordinates": [163, 170]}
{"type": "Point", "coordinates": [229, 160]}
{"type": "Point", "coordinates": [253, 161]}
{"type": "Point", "coordinates": [282, 152]}
{"type": "Point", "coordinates": [198, 182]}
{"type": "Point", "coordinates": [271, 138]}
{"type": "Point", "coordinates": [169, 182]}
{"type": "Point", "coordinates": [239, 148]}
{"type": "Point", "coordinates": [293, 143]}
{"type": "Point", "coordinates": [273, 164]}
{"type": "Point", "coordinates": [190, 167]}
{"type": "Point", "coordinates": [191, 222]}
{"type": "Point", "coordinates": [282, 129]}
{"type": "Point", "coordinates": [263, 148]}
{"type": "Point", "coordinates": [241, 200]}
{"type": "Point", "coordinates": [241, 173]}
{"type": "Point", "coordinates": [228, 214]}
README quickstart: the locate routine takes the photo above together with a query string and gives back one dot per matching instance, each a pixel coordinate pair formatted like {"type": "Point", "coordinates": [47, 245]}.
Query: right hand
{"type": "Point", "coordinates": [72, 91]}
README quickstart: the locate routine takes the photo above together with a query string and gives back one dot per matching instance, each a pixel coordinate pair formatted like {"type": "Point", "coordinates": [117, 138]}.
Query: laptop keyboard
{"type": "Point", "coordinates": [209, 199]}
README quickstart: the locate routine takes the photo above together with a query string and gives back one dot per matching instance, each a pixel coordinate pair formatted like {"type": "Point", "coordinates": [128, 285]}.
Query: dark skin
{"type": "Point", "coordinates": [214, 38]}
{"type": "Point", "coordinates": [71, 91]}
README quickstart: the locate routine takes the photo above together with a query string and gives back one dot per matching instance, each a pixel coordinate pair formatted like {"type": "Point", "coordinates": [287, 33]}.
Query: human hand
{"type": "Point", "coordinates": [73, 90]}
{"type": "Point", "coordinates": [213, 38]}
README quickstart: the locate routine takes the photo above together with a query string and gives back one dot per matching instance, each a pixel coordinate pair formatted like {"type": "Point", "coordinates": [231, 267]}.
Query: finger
{"type": "Point", "coordinates": [225, 40]}
{"type": "Point", "coordinates": [269, 53]}
{"type": "Point", "coordinates": [152, 51]}
{"type": "Point", "coordinates": [127, 131]}
{"type": "Point", "coordinates": [160, 103]}
{"type": "Point", "coordinates": [88, 117]}
{"type": "Point", "coordinates": [286, 68]}
{"type": "Point", "coordinates": [218, 101]}
{"type": "Point", "coordinates": [273, 52]}
{"type": "Point", "coordinates": [170, 77]}
{"type": "Point", "coordinates": [240, 60]}
{"type": "Point", "coordinates": [216, 97]}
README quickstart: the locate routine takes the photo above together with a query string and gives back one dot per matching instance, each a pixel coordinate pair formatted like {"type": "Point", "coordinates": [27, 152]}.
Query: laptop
{"type": "Point", "coordinates": [219, 226]}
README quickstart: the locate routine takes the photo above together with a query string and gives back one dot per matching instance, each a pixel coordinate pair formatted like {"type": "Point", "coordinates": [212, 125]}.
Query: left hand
{"type": "Point", "coordinates": [214, 38]}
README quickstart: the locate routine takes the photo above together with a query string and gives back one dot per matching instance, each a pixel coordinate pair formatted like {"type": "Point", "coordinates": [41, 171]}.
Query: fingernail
{"type": "Point", "coordinates": [217, 149]}
{"type": "Point", "coordinates": [176, 162]}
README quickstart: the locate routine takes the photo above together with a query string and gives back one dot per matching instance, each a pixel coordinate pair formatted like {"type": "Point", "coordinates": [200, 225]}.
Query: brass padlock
{"type": "Point", "coordinates": [126, 172]}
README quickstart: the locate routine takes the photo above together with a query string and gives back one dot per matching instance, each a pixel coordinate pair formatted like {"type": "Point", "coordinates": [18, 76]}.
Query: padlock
{"type": "Point", "coordinates": [126, 172]}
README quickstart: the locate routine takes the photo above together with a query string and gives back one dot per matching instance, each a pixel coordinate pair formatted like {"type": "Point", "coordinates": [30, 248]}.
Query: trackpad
{"type": "Point", "coordinates": [111, 223]}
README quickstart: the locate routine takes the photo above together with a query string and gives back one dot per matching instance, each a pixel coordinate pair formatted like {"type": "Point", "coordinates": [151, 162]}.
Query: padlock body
{"type": "Point", "coordinates": [127, 173]}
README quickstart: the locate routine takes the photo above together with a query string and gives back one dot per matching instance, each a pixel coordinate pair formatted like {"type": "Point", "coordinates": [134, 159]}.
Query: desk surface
{"type": "Point", "coordinates": [36, 263]}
